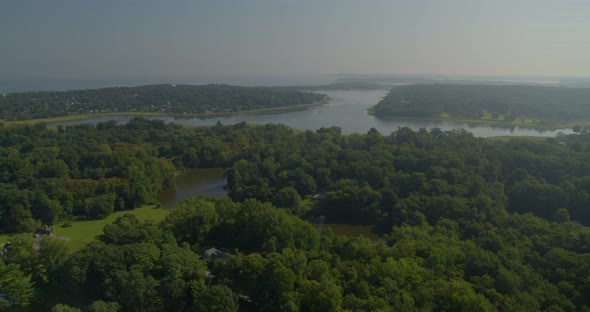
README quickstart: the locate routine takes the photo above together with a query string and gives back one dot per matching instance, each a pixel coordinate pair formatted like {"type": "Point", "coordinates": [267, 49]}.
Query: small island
{"type": "Point", "coordinates": [163, 99]}
{"type": "Point", "coordinates": [536, 106]}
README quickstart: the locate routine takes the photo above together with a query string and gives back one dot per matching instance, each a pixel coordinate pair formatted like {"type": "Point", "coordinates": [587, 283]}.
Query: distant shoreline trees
{"type": "Point", "coordinates": [165, 98]}
{"type": "Point", "coordinates": [501, 103]}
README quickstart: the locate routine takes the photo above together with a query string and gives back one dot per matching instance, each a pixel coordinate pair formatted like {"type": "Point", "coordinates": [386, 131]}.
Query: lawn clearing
{"type": "Point", "coordinates": [83, 232]}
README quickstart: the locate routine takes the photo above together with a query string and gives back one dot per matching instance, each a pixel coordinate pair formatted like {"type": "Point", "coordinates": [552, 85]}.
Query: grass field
{"type": "Point", "coordinates": [84, 232]}
{"type": "Point", "coordinates": [74, 117]}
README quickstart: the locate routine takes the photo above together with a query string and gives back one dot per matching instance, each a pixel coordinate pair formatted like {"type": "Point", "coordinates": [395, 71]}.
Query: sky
{"type": "Point", "coordinates": [153, 39]}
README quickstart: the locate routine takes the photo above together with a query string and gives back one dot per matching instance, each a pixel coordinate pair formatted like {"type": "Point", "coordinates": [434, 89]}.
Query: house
{"type": "Point", "coordinates": [4, 300]}
{"type": "Point", "coordinates": [42, 232]}
{"type": "Point", "coordinates": [5, 248]}
{"type": "Point", "coordinates": [214, 253]}
{"type": "Point", "coordinates": [318, 196]}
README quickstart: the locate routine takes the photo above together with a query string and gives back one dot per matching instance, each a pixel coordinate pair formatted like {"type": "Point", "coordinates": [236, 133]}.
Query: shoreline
{"type": "Point", "coordinates": [502, 124]}
{"type": "Point", "coordinates": [78, 117]}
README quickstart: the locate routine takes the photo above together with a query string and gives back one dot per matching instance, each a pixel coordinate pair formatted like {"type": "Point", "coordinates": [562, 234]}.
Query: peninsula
{"type": "Point", "coordinates": [163, 99]}
{"type": "Point", "coordinates": [510, 104]}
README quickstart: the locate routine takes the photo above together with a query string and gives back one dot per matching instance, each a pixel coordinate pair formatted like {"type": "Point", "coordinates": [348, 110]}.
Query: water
{"type": "Point", "coordinates": [209, 181]}
{"type": "Point", "coordinates": [347, 110]}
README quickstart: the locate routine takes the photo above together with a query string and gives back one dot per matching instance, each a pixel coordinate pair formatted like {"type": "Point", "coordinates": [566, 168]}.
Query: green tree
{"type": "Point", "coordinates": [103, 306]}
{"type": "Point", "coordinates": [21, 220]}
{"type": "Point", "coordinates": [128, 229]}
{"type": "Point", "coordinates": [64, 308]}
{"type": "Point", "coordinates": [286, 197]}
{"type": "Point", "coordinates": [320, 296]}
{"type": "Point", "coordinates": [51, 254]}
{"type": "Point", "coordinates": [191, 220]}
{"type": "Point", "coordinates": [133, 289]}
{"type": "Point", "coordinates": [100, 206]}
{"type": "Point", "coordinates": [213, 298]}
{"type": "Point", "coordinates": [561, 215]}
{"type": "Point", "coordinates": [16, 288]}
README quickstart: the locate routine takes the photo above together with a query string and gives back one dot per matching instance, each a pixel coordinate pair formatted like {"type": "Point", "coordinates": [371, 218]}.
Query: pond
{"type": "Point", "coordinates": [195, 182]}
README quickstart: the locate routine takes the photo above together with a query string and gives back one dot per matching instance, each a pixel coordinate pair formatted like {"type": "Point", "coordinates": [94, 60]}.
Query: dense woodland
{"type": "Point", "coordinates": [469, 224]}
{"type": "Point", "coordinates": [172, 99]}
{"type": "Point", "coordinates": [473, 101]}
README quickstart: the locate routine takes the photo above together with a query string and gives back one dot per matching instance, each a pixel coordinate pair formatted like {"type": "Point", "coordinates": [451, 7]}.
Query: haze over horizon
{"type": "Point", "coordinates": [154, 40]}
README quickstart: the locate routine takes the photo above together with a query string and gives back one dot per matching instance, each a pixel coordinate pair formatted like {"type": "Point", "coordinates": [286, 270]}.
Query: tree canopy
{"type": "Point", "coordinates": [467, 224]}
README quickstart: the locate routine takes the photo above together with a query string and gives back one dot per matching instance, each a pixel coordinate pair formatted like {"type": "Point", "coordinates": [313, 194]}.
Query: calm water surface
{"type": "Point", "coordinates": [209, 181]}
{"type": "Point", "coordinates": [347, 110]}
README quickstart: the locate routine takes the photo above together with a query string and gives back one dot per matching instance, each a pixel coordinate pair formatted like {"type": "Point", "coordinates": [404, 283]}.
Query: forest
{"type": "Point", "coordinates": [165, 98]}
{"type": "Point", "coordinates": [499, 103]}
{"type": "Point", "coordinates": [468, 224]}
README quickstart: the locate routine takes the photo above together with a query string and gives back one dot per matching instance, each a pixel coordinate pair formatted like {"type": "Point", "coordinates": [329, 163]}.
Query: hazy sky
{"type": "Point", "coordinates": [117, 39]}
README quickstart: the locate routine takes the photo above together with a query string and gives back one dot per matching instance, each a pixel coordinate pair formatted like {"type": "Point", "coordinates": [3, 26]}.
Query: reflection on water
{"type": "Point", "coordinates": [209, 181]}
{"type": "Point", "coordinates": [347, 110]}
